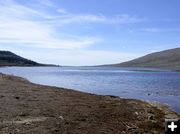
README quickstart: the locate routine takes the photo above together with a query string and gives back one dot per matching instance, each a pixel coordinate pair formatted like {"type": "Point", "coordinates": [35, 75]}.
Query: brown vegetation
{"type": "Point", "coordinates": [169, 59]}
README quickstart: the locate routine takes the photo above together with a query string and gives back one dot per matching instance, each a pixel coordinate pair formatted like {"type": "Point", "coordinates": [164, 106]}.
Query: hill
{"type": "Point", "coordinates": [164, 59]}
{"type": "Point", "coordinates": [8, 58]}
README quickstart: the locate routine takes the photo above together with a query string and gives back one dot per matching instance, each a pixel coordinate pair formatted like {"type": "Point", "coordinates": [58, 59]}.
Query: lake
{"type": "Point", "coordinates": [162, 85]}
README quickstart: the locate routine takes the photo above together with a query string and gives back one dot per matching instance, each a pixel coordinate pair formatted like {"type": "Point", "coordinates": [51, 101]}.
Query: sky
{"type": "Point", "coordinates": [88, 32]}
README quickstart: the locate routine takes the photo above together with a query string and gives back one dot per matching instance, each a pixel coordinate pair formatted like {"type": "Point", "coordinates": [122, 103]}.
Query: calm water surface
{"type": "Point", "coordinates": [163, 86]}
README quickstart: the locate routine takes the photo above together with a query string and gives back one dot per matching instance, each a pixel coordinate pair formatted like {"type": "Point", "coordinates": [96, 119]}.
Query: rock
{"type": "Point", "coordinates": [60, 117]}
{"type": "Point", "coordinates": [151, 117]}
{"type": "Point", "coordinates": [136, 113]}
{"type": "Point", "coordinates": [23, 114]}
{"type": "Point", "coordinates": [17, 130]}
{"type": "Point", "coordinates": [17, 97]}
{"type": "Point", "coordinates": [2, 96]}
{"type": "Point", "coordinates": [27, 123]}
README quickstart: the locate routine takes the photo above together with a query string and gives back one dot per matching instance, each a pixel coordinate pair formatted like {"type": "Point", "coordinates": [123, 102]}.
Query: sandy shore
{"type": "Point", "coordinates": [27, 108]}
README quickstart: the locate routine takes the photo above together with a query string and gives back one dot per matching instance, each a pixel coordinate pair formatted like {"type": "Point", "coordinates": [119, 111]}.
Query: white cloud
{"type": "Point", "coordinates": [28, 27]}
{"type": "Point", "coordinates": [25, 25]}
{"type": "Point", "coordinates": [52, 44]}
{"type": "Point", "coordinates": [18, 27]}
{"type": "Point", "coordinates": [61, 10]}
{"type": "Point", "coordinates": [154, 30]}
{"type": "Point", "coordinates": [13, 10]}
{"type": "Point", "coordinates": [96, 18]}
{"type": "Point", "coordinates": [47, 3]}
{"type": "Point", "coordinates": [81, 18]}
{"type": "Point", "coordinates": [125, 18]}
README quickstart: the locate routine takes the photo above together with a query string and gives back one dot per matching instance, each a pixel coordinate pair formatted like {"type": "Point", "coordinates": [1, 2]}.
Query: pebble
{"type": "Point", "coordinates": [136, 113]}
{"type": "Point", "coordinates": [27, 123]}
{"type": "Point", "coordinates": [60, 117]}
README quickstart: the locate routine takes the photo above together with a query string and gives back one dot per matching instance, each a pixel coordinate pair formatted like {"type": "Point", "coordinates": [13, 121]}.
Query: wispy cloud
{"type": "Point", "coordinates": [32, 27]}
{"type": "Point", "coordinates": [26, 25]}
{"type": "Point", "coordinates": [156, 30]}
{"type": "Point", "coordinates": [47, 3]}
{"type": "Point", "coordinates": [61, 10]}
{"type": "Point", "coordinates": [68, 18]}
{"type": "Point", "coordinates": [18, 25]}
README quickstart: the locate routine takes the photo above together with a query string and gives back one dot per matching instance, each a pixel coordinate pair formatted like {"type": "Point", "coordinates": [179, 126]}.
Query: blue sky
{"type": "Point", "coordinates": [88, 32]}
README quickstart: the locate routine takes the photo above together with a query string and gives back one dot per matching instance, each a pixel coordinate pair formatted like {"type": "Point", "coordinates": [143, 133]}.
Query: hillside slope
{"type": "Point", "coordinates": [168, 58]}
{"type": "Point", "coordinates": [8, 58]}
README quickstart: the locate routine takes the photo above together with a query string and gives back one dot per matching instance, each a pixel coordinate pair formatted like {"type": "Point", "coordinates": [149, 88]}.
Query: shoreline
{"type": "Point", "coordinates": [32, 108]}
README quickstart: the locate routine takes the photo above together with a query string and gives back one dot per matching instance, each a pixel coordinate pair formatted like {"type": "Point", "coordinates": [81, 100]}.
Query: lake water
{"type": "Point", "coordinates": [162, 86]}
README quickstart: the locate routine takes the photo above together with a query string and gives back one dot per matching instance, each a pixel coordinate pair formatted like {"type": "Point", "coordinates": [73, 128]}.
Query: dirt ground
{"type": "Point", "coordinates": [27, 108]}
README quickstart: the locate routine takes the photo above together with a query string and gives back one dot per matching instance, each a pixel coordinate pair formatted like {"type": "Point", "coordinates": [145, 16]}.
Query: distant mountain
{"type": "Point", "coordinates": [8, 58]}
{"type": "Point", "coordinates": [168, 59]}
